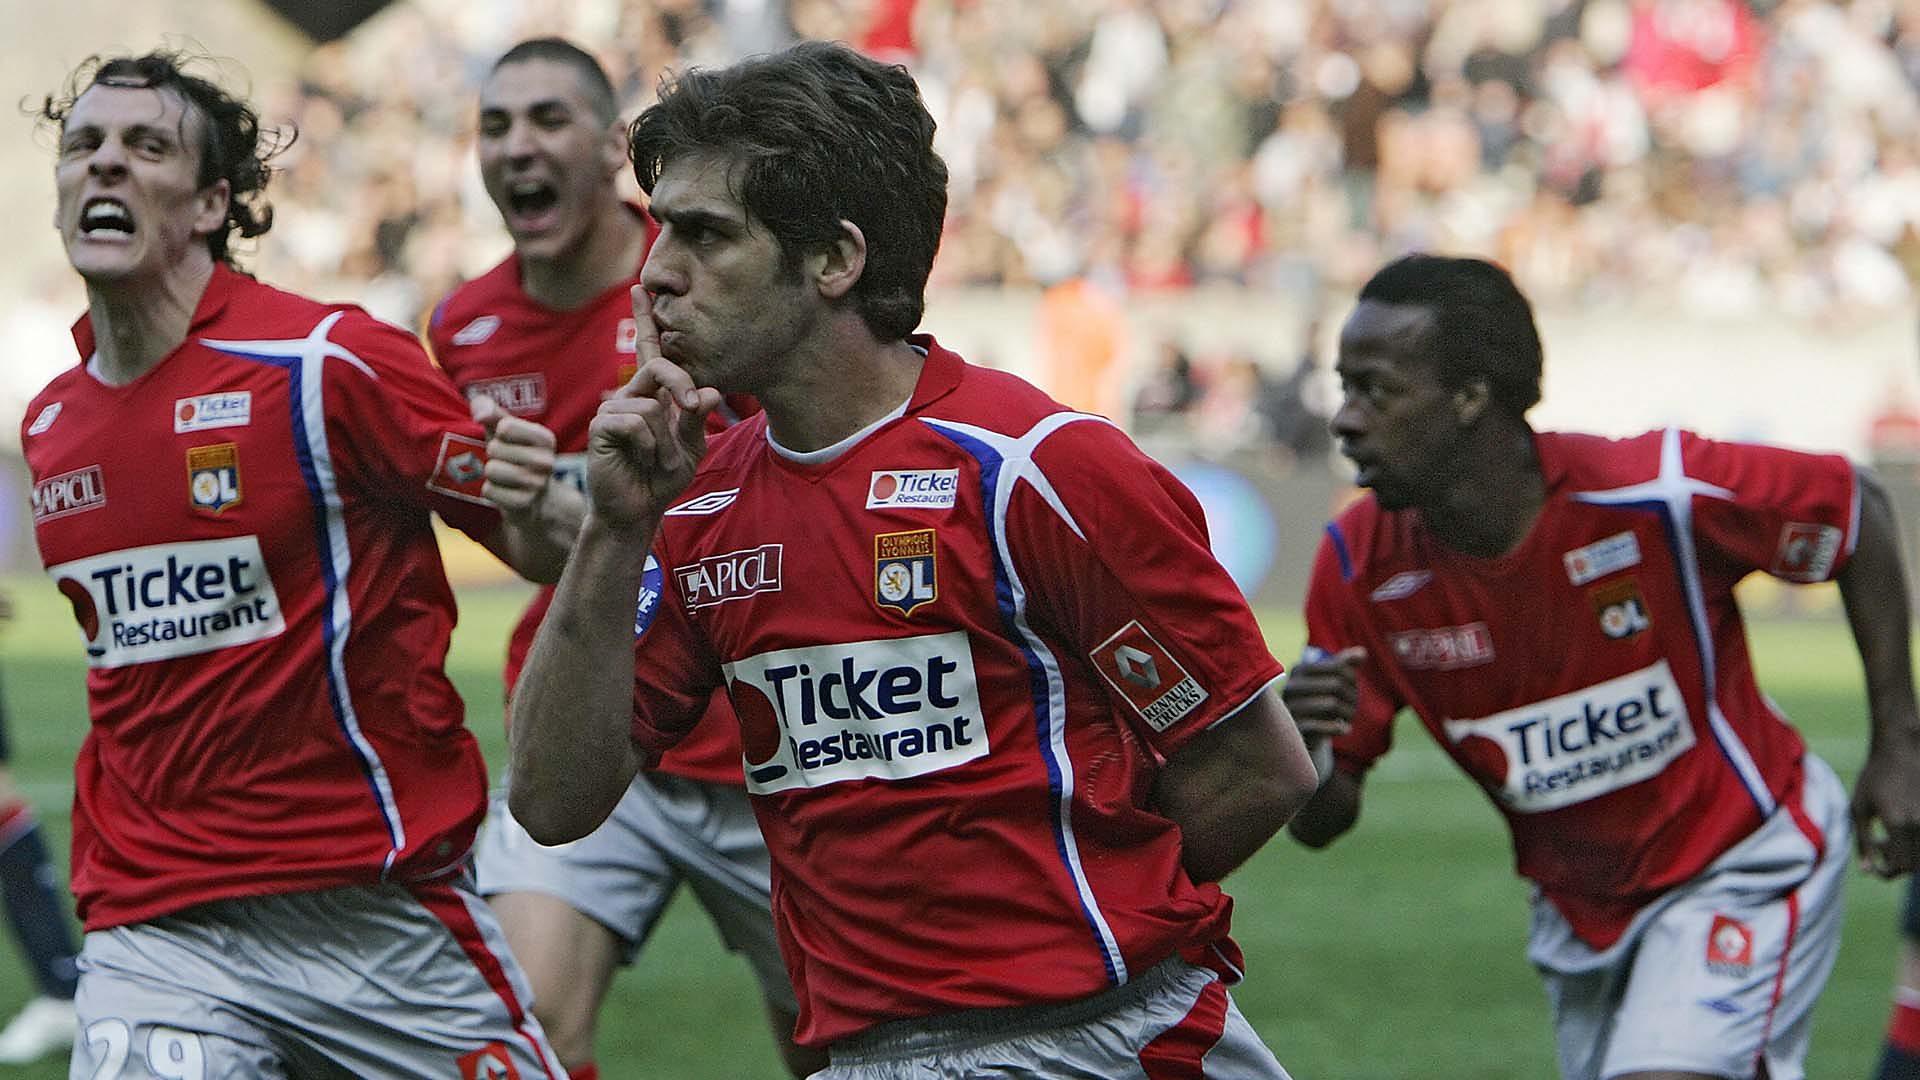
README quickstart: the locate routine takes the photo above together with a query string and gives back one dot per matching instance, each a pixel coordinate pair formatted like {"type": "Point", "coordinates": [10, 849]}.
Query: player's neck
{"type": "Point", "coordinates": [832, 393]}
{"type": "Point", "coordinates": [1494, 499]}
{"type": "Point", "coordinates": [137, 323]}
{"type": "Point", "coordinates": [607, 254]}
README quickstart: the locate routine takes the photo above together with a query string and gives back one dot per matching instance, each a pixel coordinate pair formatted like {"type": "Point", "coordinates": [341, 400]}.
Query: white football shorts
{"type": "Point", "coordinates": [666, 830]}
{"type": "Point", "coordinates": [402, 982]}
{"type": "Point", "coordinates": [1720, 974]}
{"type": "Point", "coordinates": [1175, 1021]}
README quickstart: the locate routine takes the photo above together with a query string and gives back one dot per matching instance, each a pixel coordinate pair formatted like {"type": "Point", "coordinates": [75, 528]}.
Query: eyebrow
{"type": "Point", "coordinates": [543, 105]}
{"type": "Point", "coordinates": [131, 131]}
{"type": "Point", "coordinates": [693, 218]}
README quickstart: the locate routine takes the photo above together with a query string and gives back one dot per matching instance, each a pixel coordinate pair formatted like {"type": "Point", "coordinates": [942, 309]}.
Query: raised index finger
{"type": "Point", "coordinates": [646, 341]}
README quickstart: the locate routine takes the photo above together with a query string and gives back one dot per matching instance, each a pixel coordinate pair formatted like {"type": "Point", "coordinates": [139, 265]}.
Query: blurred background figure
{"type": "Point", "coordinates": [37, 917]}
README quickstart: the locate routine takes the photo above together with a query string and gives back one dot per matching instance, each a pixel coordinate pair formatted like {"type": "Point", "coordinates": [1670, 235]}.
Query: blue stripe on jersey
{"type": "Point", "coordinates": [304, 360]}
{"type": "Point", "coordinates": [1670, 498]}
{"type": "Point", "coordinates": [1340, 551]}
{"type": "Point", "coordinates": [1044, 682]}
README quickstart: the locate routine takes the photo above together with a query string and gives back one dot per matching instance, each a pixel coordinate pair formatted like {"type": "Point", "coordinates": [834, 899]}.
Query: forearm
{"type": "Point", "coordinates": [537, 541]}
{"type": "Point", "coordinates": [572, 749]}
{"type": "Point", "coordinates": [1332, 811]}
{"type": "Point", "coordinates": [1874, 589]}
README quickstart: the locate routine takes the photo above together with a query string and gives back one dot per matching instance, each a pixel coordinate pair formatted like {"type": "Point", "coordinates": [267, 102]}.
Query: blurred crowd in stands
{"type": "Point", "coordinates": [1727, 156]}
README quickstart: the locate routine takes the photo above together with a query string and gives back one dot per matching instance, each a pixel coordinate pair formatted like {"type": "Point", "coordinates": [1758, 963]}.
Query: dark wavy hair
{"type": "Point", "coordinates": [1482, 325]}
{"type": "Point", "coordinates": [818, 134]}
{"type": "Point", "coordinates": [233, 145]}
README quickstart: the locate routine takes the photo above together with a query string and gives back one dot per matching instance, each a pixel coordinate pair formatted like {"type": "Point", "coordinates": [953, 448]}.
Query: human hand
{"type": "Point", "coordinates": [648, 437]}
{"type": "Point", "coordinates": [1886, 804]}
{"type": "Point", "coordinates": [1323, 690]}
{"type": "Point", "coordinates": [520, 457]}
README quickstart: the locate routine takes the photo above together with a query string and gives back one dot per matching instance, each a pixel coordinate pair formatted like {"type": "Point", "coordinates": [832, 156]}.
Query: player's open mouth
{"type": "Point", "coordinates": [530, 202]}
{"type": "Point", "coordinates": [102, 216]}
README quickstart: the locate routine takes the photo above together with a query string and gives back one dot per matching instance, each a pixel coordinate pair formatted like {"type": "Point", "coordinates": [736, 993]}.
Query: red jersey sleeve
{"type": "Point", "coordinates": [1112, 551]}
{"type": "Point", "coordinates": [1335, 623]}
{"type": "Point", "coordinates": [674, 671]}
{"type": "Point", "coordinates": [399, 427]}
{"type": "Point", "coordinates": [1790, 514]}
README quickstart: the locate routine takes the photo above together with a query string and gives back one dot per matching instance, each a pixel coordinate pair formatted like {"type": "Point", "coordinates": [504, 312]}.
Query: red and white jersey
{"type": "Point", "coordinates": [555, 368]}
{"type": "Point", "coordinates": [244, 535]}
{"type": "Point", "coordinates": [1595, 680]}
{"type": "Point", "coordinates": [1003, 619]}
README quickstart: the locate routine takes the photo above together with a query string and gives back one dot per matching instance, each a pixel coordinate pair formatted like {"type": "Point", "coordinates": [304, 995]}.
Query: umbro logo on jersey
{"type": "Point", "coordinates": [461, 470]}
{"type": "Point", "coordinates": [69, 493]}
{"type": "Point", "coordinates": [1729, 946]}
{"type": "Point", "coordinates": [46, 418]}
{"type": "Point", "coordinates": [1443, 647]}
{"type": "Point", "coordinates": [207, 411]}
{"type": "Point", "coordinates": [920, 489]}
{"type": "Point", "coordinates": [903, 570]}
{"type": "Point", "coordinates": [1621, 609]}
{"type": "Point", "coordinates": [477, 331]}
{"type": "Point", "coordinates": [711, 503]}
{"type": "Point", "coordinates": [1144, 673]}
{"type": "Point", "coordinates": [1401, 585]}
{"type": "Point", "coordinates": [521, 395]}
{"type": "Point", "coordinates": [213, 477]}
{"type": "Point", "coordinates": [1807, 552]}
{"type": "Point", "coordinates": [1602, 557]}
{"type": "Point", "coordinates": [733, 576]}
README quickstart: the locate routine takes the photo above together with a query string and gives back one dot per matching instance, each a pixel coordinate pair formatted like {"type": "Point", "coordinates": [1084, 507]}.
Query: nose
{"type": "Point", "coordinates": [660, 272]}
{"type": "Point", "coordinates": [518, 142]}
{"type": "Point", "coordinates": [1349, 421]}
{"type": "Point", "coordinates": [107, 159]}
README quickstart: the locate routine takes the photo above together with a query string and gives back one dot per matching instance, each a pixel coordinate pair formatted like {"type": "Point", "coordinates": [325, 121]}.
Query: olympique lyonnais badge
{"type": "Point", "coordinates": [213, 476]}
{"type": "Point", "coordinates": [1621, 609]}
{"type": "Point", "coordinates": [903, 570]}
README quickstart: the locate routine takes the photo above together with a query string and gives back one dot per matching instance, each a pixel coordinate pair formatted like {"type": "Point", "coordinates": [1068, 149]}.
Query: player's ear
{"type": "Point", "coordinates": [841, 262]}
{"type": "Point", "coordinates": [210, 207]}
{"type": "Point", "coordinates": [1470, 401]}
{"type": "Point", "coordinates": [613, 148]}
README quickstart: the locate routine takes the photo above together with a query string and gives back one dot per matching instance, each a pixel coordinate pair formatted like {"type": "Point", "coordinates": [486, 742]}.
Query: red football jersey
{"type": "Point", "coordinates": [555, 367]}
{"type": "Point", "coordinates": [244, 535]}
{"type": "Point", "coordinates": [1004, 617]}
{"type": "Point", "coordinates": [1595, 680]}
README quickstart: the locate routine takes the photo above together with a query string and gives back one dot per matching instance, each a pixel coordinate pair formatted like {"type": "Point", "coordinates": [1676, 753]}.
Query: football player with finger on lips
{"type": "Point", "coordinates": [276, 799]}
{"type": "Point", "coordinates": [1006, 721]}
{"type": "Point", "coordinates": [546, 335]}
{"type": "Point", "coordinates": [1558, 610]}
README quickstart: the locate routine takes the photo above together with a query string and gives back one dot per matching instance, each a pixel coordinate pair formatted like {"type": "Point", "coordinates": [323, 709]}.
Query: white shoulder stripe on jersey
{"type": "Point", "coordinates": [1016, 464]}
{"type": "Point", "coordinates": [1673, 491]}
{"type": "Point", "coordinates": [306, 359]}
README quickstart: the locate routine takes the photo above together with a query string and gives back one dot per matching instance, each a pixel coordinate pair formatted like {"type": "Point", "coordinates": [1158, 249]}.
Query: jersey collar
{"type": "Point", "coordinates": [213, 300]}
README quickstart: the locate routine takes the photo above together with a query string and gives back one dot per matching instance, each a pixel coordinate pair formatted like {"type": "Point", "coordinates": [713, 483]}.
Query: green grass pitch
{"type": "Point", "coordinates": [1398, 953]}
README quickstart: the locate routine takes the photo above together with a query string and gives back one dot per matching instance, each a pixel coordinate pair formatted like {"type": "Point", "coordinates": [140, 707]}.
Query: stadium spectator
{"type": "Point", "coordinates": [1558, 611]}
{"type": "Point", "coordinates": [1611, 138]}
{"type": "Point", "coordinates": [276, 798]}
{"type": "Point", "coordinates": [999, 783]}
{"type": "Point", "coordinates": [1900, 1060]}
{"type": "Point", "coordinates": [547, 333]}
{"type": "Point", "coordinates": [38, 919]}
